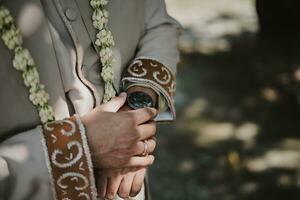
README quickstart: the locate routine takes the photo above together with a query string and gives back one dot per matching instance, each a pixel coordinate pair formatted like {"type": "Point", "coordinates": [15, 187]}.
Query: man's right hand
{"type": "Point", "coordinates": [116, 138]}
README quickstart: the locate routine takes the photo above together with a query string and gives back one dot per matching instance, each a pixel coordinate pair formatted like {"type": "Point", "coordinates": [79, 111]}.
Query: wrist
{"type": "Point", "coordinates": [84, 120]}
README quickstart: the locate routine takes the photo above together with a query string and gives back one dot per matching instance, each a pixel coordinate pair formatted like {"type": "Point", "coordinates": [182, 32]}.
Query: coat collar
{"type": "Point", "coordinates": [86, 15]}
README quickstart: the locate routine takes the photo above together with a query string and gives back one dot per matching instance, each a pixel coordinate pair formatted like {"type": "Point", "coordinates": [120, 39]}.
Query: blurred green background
{"type": "Point", "coordinates": [237, 134]}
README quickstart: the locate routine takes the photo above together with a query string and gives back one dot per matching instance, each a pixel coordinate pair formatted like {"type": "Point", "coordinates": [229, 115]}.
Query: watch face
{"type": "Point", "coordinates": [137, 100]}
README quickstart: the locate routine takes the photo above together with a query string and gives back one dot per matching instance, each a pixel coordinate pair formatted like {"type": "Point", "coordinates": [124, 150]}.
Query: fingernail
{"type": "Point", "coordinates": [110, 196]}
{"type": "Point", "coordinates": [133, 194]}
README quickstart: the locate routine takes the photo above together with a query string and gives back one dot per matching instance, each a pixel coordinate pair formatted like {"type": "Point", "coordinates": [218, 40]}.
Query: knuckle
{"type": "Point", "coordinates": [153, 124]}
{"type": "Point", "coordinates": [137, 133]}
{"type": "Point", "coordinates": [131, 127]}
{"type": "Point", "coordinates": [151, 128]}
{"type": "Point", "coordinates": [153, 132]}
{"type": "Point", "coordinates": [153, 143]}
{"type": "Point", "coordinates": [152, 112]}
{"type": "Point", "coordinates": [151, 160]}
{"type": "Point", "coordinates": [148, 162]}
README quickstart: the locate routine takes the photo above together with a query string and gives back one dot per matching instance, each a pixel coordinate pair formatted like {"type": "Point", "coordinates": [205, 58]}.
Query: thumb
{"type": "Point", "coordinates": [115, 103]}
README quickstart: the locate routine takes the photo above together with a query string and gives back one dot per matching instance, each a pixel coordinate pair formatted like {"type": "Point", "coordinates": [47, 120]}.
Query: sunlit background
{"type": "Point", "coordinates": [237, 135]}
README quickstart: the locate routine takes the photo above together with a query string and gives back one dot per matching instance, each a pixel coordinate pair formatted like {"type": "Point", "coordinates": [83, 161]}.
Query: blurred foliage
{"type": "Point", "coordinates": [237, 136]}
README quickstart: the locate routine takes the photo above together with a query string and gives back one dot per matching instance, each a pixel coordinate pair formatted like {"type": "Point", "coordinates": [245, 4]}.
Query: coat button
{"type": "Point", "coordinates": [71, 14]}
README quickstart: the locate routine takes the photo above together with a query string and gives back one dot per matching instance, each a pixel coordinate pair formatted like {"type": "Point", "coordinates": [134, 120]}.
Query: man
{"type": "Point", "coordinates": [89, 142]}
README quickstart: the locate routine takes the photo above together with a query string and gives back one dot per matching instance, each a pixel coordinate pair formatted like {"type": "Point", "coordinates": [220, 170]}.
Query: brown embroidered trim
{"type": "Point", "coordinates": [156, 75]}
{"type": "Point", "coordinates": [152, 70]}
{"type": "Point", "coordinates": [68, 160]}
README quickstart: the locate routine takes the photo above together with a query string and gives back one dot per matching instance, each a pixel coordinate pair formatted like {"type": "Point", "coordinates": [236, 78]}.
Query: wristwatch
{"type": "Point", "coordinates": [137, 100]}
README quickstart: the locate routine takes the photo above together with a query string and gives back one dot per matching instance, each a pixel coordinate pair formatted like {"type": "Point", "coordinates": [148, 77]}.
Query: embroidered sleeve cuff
{"type": "Point", "coordinates": [150, 72]}
{"type": "Point", "coordinates": [68, 159]}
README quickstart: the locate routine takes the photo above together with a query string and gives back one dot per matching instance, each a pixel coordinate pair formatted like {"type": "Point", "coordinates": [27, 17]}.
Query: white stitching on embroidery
{"type": "Point", "coordinates": [73, 128]}
{"type": "Point", "coordinates": [74, 177]}
{"type": "Point", "coordinates": [134, 69]}
{"type": "Point", "coordinates": [165, 79]}
{"type": "Point", "coordinates": [84, 195]}
{"type": "Point", "coordinates": [57, 152]}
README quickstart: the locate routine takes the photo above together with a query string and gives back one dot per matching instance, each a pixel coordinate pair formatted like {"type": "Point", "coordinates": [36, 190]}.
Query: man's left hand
{"type": "Point", "coordinates": [124, 182]}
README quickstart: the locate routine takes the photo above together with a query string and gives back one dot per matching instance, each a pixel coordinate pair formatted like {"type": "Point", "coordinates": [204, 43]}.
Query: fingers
{"type": "Point", "coordinates": [101, 183]}
{"type": "Point", "coordinates": [138, 182]}
{"type": "Point", "coordinates": [140, 116]}
{"type": "Point", "coordinates": [140, 147]}
{"type": "Point", "coordinates": [125, 186]}
{"type": "Point", "coordinates": [146, 131]}
{"type": "Point", "coordinates": [137, 161]}
{"type": "Point", "coordinates": [115, 103]}
{"type": "Point", "coordinates": [113, 184]}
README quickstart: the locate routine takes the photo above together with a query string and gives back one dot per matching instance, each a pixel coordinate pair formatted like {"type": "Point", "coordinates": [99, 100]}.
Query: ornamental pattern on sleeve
{"type": "Point", "coordinates": [154, 74]}
{"type": "Point", "coordinates": [152, 71]}
{"type": "Point", "coordinates": [68, 160]}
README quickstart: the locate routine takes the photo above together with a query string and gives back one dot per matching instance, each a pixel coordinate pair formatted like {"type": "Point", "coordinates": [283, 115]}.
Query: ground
{"type": "Point", "coordinates": [237, 134]}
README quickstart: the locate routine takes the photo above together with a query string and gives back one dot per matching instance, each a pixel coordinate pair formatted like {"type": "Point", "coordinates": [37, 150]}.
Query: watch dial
{"type": "Point", "coordinates": [137, 100]}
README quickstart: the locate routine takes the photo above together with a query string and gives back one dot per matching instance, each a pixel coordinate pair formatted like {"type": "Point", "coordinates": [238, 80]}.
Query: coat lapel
{"type": "Point", "coordinates": [86, 15]}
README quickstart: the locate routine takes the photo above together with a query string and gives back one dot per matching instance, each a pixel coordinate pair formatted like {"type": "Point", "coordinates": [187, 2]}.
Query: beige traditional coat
{"type": "Point", "coordinates": [60, 36]}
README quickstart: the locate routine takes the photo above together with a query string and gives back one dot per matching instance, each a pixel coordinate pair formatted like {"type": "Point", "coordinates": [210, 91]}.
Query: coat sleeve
{"type": "Point", "coordinates": [157, 57]}
{"type": "Point", "coordinates": [49, 162]}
